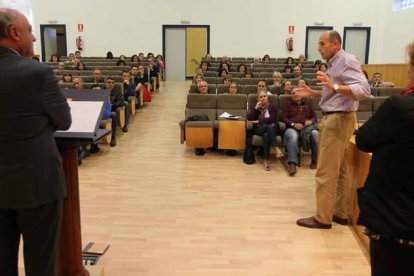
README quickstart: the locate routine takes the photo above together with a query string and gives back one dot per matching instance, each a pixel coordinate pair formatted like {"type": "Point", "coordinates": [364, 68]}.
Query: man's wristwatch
{"type": "Point", "coordinates": [335, 88]}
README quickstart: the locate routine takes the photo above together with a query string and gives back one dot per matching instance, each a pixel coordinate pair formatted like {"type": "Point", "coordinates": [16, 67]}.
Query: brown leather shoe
{"type": "Point", "coordinates": [339, 220]}
{"type": "Point", "coordinates": [313, 166]}
{"type": "Point", "coordinates": [312, 223]}
{"type": "Point", "coordinates": [291, 169]}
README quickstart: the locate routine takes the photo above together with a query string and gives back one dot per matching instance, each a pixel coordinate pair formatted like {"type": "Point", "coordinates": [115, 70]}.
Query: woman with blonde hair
{"type": "Point", "coordinates": [263, 116]}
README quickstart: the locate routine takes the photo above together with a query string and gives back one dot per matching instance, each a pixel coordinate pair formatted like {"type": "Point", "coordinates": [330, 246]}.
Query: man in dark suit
{"type": "Point", "coordinates": [32, 184]}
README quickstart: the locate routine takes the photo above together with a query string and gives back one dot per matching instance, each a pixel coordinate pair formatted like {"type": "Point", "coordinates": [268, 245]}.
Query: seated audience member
{"type": "Point", "coordinates": [66, 78]}
{"type": "Point", "coordinates": [77, 83]}
{"type": "Point", "coordinates": [277, 80]}
{"type": "Point", "coordinates": [199, 71]}
{"type": "Point", "coordinates": [266, 59]}
{"type": "Point", "coordinates": [233, 89]}
{"type": "Point", "coordinates": [227, 79]}
{"type": "Point", "coordinates": [122, 57]}
{"type": "Point", "coordinates": [286, 87]}
{"type": "Point", "coordinates": [323, 67]}
{"type": "Point", "coordinates": [97, 76]}
{"type": "Point", "coordinates": [71, 59]}
{"type": "Point", "coordinates": [117, 100]}
{"type": "Point", "coordinates": [134, 59]}
{"type": "Point", "coordinates": [297, 72]}
{"type": "Point", "coordinates": [208, 58]}
{"type": "Point", "coordinates": [302, 83]}
{"type": "Point", "coordinates": [248, 74]}
{"type": "Point", "coordinates": [61, 66]}
{"type": "Point", "coordinates": [262, 86]}
{"type": "Point", "coordinates": [54, 58]}
{"type": "Point", "coordinates": [78, 55]}
{"type": "Point", "coordinates": [204, 66]}
{"type": "Point", "coordinates": [225, 66]}
{"type": "Point", "coordinates": [287, 69]}
{"type": "Point", "coordinates": [129, 87]}
{"type": "Point", "coordinates": [241, 68]}
{"type": "Point", "coordinates": [80, 66]}
{"type": "Point", "coordinates": [316, 64]}
{"type": "Point", "coordinates": [198, 78]}
{"type": "Point", "coordinates": [202, 87]}
{"type": "Point", "coordinates": [154, 71]}
{"type": "Point", "coordinates": [120, 62]}
{"type": "Point", "coordinates": [289, 61]}
{"type": "Point", "coordinates": [139, 75]}
{"type": "Point", "coordinates": [256, 61]}
{"type": "Point", "coordinates": [377, 81]}
{"type": "Point", "coordinates": [301, 58]}
{"type": "Point", "coordinates": [36, 58]}
{"type": "Point", "coordinates": [263, 116]}
{"type": "Point", "coordinates": [160, 60]}
{"type": "Point", "coordinates": [109, 55]}
{"type": "Point", "coordinates": [141, 57]}
{"type": "Point", "coordinates": [222, 72]}
{"type": "Point", "coordinates": [300, 120]}
{"type": "Point", "coordinates": [141, 81]}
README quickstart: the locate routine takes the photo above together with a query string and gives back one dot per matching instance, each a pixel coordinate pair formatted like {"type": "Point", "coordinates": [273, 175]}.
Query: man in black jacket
{"type": "Point", "coordinates": [117, 100]}
{"type": "Point", "coordinates": [387, 199]}
{"type": "Point", "coordinates": [32, 184]}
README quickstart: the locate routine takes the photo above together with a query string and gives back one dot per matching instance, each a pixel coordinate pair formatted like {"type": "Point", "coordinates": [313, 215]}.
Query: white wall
{"type": "Point", "coordinates": [238, 28]}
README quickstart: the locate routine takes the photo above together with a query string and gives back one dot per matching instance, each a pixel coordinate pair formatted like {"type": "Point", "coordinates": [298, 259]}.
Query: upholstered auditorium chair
{"type": "Point", "coordinates": [377, 102]}
{"type": "Point", "coordinates": [199, 134]}
{"type": "Point", "coordinates": [364, 111]}
{"type": "Point", "coordinates": [231, 131]}
{"type": "Point", "coordinates": [388, 91]}
{"type": "Point", "coordinates": [223, 89]}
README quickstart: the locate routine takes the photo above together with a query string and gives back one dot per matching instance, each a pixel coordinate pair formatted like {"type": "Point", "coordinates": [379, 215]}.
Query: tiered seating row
{"type": "Point", "coordinates": [215, 105]}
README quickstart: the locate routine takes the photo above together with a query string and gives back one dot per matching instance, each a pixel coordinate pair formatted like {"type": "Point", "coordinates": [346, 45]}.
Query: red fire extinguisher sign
{"type": "Point", "coordinates": [80, 28]}
{"type": "Point", "coordinates": [291, 29]}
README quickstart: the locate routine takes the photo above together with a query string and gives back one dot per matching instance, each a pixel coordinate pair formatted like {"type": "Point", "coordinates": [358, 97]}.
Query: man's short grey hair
{"type": "Point", "coordinates": [7, 18]}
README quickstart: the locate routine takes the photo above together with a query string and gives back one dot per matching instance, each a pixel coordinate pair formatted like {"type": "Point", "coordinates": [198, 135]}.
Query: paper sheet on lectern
{"type": "Point", "coordinates": [84, 115]}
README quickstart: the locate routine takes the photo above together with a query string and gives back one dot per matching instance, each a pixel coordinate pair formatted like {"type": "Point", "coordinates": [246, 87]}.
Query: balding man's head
{"type": "Point", "coordinates": [16, 32]}
{"type": "Point", "coordinates": [7, 18]}
{"type": "Point", "coordinates": [334, 35]}
{"type": "Point", "coordinates": [202, 87]}
{"type": "Point", "coordinates": [329, 44]}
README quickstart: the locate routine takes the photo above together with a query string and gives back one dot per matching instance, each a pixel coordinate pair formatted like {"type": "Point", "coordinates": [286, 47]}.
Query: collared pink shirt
{"type": "Point", "coordinates": [345, 69]}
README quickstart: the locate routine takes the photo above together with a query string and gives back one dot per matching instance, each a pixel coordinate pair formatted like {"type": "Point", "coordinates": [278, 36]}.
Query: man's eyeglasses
{"type": "Point", "coordinates": [110, 82]}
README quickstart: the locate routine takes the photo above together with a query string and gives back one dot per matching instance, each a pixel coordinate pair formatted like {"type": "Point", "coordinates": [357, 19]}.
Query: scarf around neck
{"type": "Point", "coordinates": [408, 90]}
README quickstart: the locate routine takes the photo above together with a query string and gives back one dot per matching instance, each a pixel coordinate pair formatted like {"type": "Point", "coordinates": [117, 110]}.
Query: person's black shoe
{"type": "Point", "coordinates": [231, 153]}
{"type": "Point", "coordinates": [200, 152]}
{"type": "Point", "coordinates": [125, 129]}
{"type": "Point", "coordinates": [94, 148]}
{"type": "Point", "coordinates": [339, 220]}
{"type": "Point", "coordinates": [113, 142]}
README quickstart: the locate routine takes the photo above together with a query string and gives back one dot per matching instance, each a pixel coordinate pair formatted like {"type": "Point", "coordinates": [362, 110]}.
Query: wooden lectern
{"type": "Point", "coordinates": [69, 259]}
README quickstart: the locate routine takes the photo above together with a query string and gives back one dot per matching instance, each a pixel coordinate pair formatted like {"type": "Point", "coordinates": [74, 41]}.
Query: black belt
{"type": "Point", "coordinates": [335, 112]}
{"type": "Point", "coordinates": [375, 236]}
